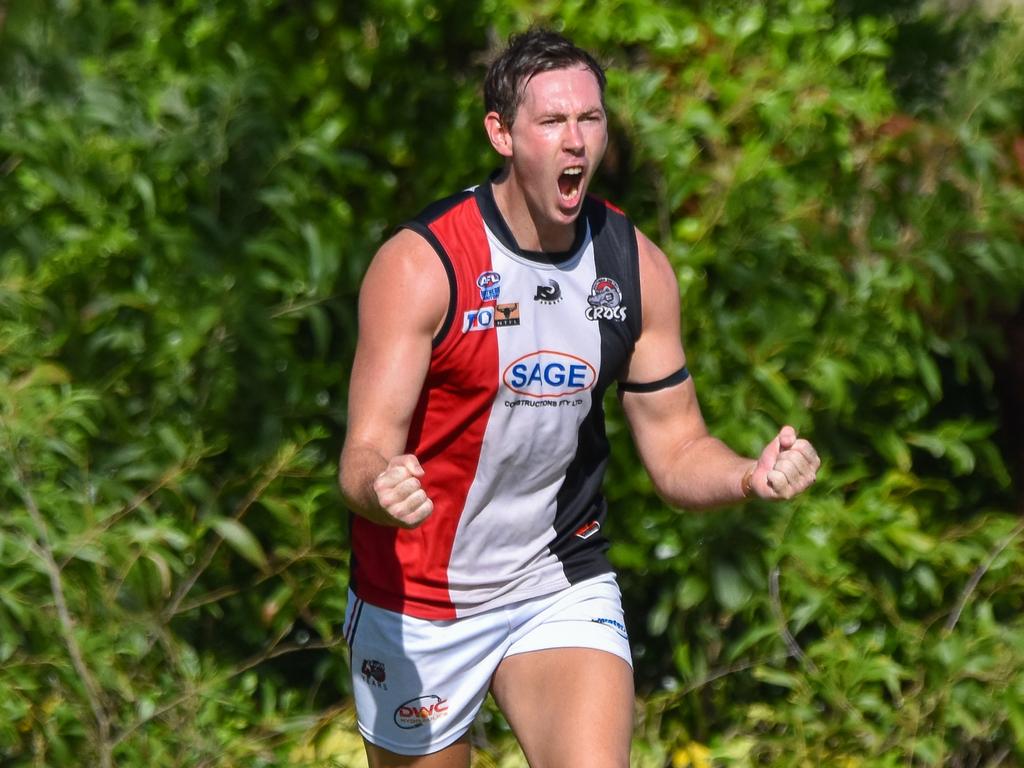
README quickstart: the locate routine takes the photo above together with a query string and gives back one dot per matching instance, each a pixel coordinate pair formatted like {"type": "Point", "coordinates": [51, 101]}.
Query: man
{"type": "Point", "coordinates": [490, 327]}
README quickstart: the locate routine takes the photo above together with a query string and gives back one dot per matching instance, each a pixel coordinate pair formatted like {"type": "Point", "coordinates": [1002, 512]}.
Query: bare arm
{"type": "Point", "coordinates": [402, 303]}
{"type": "Point", "coordinates": [689, 467]}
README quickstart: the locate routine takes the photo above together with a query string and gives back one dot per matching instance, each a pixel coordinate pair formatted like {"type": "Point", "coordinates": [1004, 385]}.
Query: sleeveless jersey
{"type": "Point", "coordinates": [509, 427]}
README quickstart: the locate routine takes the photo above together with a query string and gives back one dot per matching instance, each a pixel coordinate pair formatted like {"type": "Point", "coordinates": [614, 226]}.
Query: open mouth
{"type": "Point", "coordinates": [569, 183]}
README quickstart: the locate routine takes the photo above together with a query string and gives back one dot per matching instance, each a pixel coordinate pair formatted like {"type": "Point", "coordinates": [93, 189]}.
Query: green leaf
{"type": "Point", "coordinates": [240, 539]}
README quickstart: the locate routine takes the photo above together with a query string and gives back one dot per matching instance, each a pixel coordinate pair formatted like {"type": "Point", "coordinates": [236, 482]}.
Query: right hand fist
{"type": "Point", "coordinates": [400, 493]}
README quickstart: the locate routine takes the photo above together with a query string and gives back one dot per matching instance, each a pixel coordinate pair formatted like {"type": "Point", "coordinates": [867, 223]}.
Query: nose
{"type": "Point", "coordinates": [573, 139]}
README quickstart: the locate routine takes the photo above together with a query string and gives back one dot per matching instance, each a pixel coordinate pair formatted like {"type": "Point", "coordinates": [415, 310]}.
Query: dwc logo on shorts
{"type": "Point", "coordinates": [421, 710]}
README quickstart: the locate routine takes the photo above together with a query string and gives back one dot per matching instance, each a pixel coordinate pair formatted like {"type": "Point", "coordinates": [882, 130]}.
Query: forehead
{"type": "Point", "coordinates": [573, 89]}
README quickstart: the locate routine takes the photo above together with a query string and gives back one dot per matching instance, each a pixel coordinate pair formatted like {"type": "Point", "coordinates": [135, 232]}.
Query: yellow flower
{"type": "Point", "coordinates": [693, 755]}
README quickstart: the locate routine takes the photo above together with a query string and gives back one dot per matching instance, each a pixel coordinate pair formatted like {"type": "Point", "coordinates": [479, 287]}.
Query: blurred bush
{"type": "Point", "coordinates": [189, 194]}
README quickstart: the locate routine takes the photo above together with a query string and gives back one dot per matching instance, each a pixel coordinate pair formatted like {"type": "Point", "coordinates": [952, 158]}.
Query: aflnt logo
{"type": "Point", "coordinates": [604, 300]}
{"type": "Point", "coordinates": [507, 314]}
{"type": "Point", "coordinates": [549, 374]}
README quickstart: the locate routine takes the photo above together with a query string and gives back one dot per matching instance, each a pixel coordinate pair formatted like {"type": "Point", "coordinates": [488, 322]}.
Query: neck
{"type": "Point", "coordinates": [531, 232]}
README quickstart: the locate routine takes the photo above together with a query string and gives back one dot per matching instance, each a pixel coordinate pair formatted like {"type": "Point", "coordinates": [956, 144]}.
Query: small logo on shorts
{"type": "Point", "coordinates": [421, 710]}
{"type": "Point", "coordinates": [587, 530]}
{"type": "Point", "coordinates": [618, 626]}
{"type": "Point", "coordinates": [374, 674]}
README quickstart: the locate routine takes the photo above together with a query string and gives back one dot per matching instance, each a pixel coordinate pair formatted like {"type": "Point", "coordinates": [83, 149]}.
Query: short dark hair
{"type": "Point", "coordinates": [534, 51]}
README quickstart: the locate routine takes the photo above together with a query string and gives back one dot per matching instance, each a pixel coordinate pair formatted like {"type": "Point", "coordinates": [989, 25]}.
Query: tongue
{"type": "Point", "coordinates": [568, 185]}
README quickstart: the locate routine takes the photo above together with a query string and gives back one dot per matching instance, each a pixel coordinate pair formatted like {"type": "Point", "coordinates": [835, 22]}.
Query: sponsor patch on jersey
{"type": "Point", "coordinates": [548, 294]}
{"type": "Point", "coordinates": [421, 710]}
{"type": "Point", "coordinates": [506, 314]}
{"type": "Point", "coordinates": [604, 301]}
{"type": "Point", "coordinates": [549, 374]}
{"type": "Point", "coordinates": [481, 319]}
{"type": "Point", "coordinates": [587, 530]}
{"type": "Point", "coordinates": [489, 284]}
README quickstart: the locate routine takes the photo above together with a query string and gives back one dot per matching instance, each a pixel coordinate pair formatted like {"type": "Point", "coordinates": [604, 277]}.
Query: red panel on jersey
{"type": "Point", "coordinates": [406, 570]}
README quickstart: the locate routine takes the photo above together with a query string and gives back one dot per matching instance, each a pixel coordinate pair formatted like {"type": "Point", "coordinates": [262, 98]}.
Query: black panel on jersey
{"type": "Point", "coordinates": [579, 500]}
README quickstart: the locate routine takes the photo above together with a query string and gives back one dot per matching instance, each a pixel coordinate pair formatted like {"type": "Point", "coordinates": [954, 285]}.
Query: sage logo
{"type": "Point", "coordinates": [421, 710]}
{"type": "Point", "coordinates": [549, 374]}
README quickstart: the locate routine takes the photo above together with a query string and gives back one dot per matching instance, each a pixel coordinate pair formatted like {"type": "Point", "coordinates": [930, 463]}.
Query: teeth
{"type": "Point", "coordinates": [572, 171]}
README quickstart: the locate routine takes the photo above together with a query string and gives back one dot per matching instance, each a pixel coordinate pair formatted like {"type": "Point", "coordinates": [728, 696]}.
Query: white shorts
{"type": "Point", "coordinates": [418, 684]}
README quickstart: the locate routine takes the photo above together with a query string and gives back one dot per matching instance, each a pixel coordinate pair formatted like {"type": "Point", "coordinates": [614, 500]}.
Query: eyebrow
{"type": "Point", "coordinates": [592, 111]}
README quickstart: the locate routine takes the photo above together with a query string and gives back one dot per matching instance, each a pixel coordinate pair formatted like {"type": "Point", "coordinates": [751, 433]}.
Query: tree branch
{"type": "Point", "coordinates": [780, 618]}
{"type": "Point", "coordinates": [978, 574]}
{"type": "Point", "coordinates": [92, 689]}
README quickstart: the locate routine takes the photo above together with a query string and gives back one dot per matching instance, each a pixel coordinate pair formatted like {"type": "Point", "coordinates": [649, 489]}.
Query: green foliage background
{"type": "Point", "coordinates": [189, 194]}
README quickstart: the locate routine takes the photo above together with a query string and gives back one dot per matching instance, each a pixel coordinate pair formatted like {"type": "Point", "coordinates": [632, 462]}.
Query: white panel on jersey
{"type": "Point", "coordinates": [548, 364]}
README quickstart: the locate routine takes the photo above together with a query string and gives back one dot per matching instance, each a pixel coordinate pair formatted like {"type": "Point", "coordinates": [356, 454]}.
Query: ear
{"type": "Point", "coordinates": [499, 135]}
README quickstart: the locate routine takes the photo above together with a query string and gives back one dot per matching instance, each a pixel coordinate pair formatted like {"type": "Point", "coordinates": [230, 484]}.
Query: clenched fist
{"type": "Point", "coordinates": [400, 493]}
{"type": "Point", "coordinates": [787, 466]}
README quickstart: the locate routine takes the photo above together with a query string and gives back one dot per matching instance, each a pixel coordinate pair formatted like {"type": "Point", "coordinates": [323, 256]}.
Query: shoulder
{"type": "Point", "coordinates": [403, 256]}
{"type": "Point", "coordinates": [658, 280]}
{"type": "Point", "coordinates": [406, 279]}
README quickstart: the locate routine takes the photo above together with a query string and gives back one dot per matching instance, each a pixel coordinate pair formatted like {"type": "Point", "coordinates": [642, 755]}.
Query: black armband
{"type": "Point", "coordinates": [653, 386]}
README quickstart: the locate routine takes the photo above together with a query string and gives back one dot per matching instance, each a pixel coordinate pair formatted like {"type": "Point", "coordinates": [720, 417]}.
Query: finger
{"type": "Point", "coordinates": [406, 506]}
{"type": "Point", "coordinates": [793, 464]}
{"type": "Point", "coordinates": [787, 437]}
{"type": "Point", "coordinates": [779, 484]}
{"type": "Point", "coordinates": [417, 516]}
{"type": "Point", "coordinates": [808, 452]}
{"type": "Point", "coordinates": [798, 472]}
{"type": "Point", "coordinates": [389, 479]}
{"type": "Point", "coordinates": [393, 494]}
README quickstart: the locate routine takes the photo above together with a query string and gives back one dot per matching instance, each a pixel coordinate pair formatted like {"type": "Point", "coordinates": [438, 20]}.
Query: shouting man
{"type": "Point", "coordinates": [490, 328]}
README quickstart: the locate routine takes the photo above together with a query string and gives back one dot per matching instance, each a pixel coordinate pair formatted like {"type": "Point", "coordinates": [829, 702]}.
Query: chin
{"type": "Point", "coordinates": [569, 215]}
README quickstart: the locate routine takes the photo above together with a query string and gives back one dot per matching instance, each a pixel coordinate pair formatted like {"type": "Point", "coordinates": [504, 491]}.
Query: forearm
{"type": "Point", "coordinates": [357, 470]}
{"type": "Point", "coordinates": [384, 492]}
{"type": "Point", "coordinates": [701, 474]}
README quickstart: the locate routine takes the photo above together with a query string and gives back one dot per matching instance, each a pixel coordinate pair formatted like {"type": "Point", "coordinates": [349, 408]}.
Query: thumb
{"type": "Point", "coordinates": [766, 461]}
{"type": "Point", "coordinates": [786, 438]}
{"type": "Point", "coordinates": [411, 464]}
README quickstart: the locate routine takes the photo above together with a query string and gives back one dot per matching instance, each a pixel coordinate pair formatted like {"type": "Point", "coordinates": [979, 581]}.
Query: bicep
{"type": "Point", "coordinates": [402, 302]}
{"type": "Point", "coordinates": [665, 420]}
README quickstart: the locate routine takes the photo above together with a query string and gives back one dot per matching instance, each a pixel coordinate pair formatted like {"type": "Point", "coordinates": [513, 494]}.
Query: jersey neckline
{"type": "Point", "coordinates": [495, 222]}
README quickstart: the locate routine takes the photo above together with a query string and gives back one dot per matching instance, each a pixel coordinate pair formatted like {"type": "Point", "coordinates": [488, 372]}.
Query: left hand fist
{"type": "Point", "coordinates": [787, 466]}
